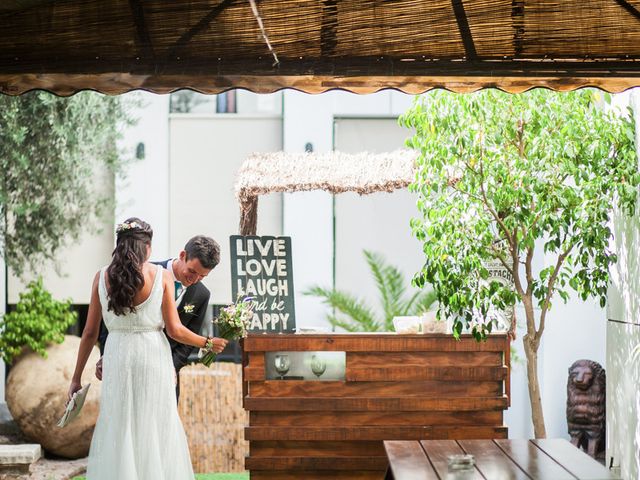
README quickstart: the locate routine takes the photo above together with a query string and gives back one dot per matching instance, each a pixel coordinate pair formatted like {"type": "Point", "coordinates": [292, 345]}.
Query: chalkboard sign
{"type": "Point", "coordinates": [261, 268]}
{"type": "Point", "coordinates": [499, 273]}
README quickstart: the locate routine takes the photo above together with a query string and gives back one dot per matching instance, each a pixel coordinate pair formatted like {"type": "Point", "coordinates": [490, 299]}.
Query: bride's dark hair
{"type": "Point", "coordinates": [125, 271]}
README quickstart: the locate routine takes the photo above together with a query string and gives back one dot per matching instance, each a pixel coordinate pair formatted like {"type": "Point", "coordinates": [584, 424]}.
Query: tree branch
{"type": "Point", "coordinates": [528, 270]}
{"type": "Point", "coordinates": [550, 286]}
{"type": "Point", "coordinates": [494, 214]}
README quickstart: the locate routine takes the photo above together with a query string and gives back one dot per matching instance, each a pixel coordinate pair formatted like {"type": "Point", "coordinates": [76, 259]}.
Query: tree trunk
{"type": "Point", "coordinates": [537, 415]}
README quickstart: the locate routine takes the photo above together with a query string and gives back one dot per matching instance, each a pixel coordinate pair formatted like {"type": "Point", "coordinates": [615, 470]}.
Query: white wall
{"type": "Point", "coordinates": [308, 217]}
{"type": "Point", "coordinates": [144, 192]}
{"type": "Point", "coordinates": [623, 335]}
{"type": "Point", "coordinates": [206, 152]}
{"type": "Point", "coordinates": [378, 222]}
{"type": "Point", "coordinates": [573, 331]}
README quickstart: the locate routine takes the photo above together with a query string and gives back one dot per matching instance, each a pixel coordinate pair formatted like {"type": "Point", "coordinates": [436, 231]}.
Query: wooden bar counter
{"type": "Point", "coordinates": [394, 387]}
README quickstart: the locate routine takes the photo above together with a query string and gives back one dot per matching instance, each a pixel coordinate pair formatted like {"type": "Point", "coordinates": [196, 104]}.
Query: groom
{"type": "Point", "coordinates": [200, 255]}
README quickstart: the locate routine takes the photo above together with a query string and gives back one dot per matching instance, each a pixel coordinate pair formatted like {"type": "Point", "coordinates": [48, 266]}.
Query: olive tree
{"type": "Point", "coordinates": [501, 176]}
{"type": "Point", "coordinates": [50, 148]}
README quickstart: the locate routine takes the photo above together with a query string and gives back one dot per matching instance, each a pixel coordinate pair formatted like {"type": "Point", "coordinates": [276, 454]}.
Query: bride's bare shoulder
{"type": "Point", "coordinates": [166, 276]}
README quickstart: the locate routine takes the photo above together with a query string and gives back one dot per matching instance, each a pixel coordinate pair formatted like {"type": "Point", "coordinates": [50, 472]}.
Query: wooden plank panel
{"type": "Point", "coordinates": [315, 463]}
{"type": "Point", "coordinates": [384, 342]}
{"type": "Point", "coordinates": [491, 460]}
{"type": "Point", "coordinates": [408, 461]}
{"type": "Point", "coordinates": [311, 388]}
{"type": "Point", "coordinates": [318, 475]}
{"type": "Point", "coordinates": [375, 418]}
{"type": "Point", "coordinates": [416, 373]}
{"type": "Point", "coordinates": [374, 433]}
{"type": "Point", "coordinates": [507, 382]}
{"type": "Point", "coordinates": [254, 374]}
{"type": "Point", "coordinates": [256, 359]}
{"type": "Point", "coordinates": [438, 450]}
{"type": "Point", "coordinates": [286, 448]}
{"type": "Point", "coordinates": [401, 404]}
{"type": "Point", "coordinates": [425, 359]}
{"type": "Point", "coordinates": [575, 461]}
{"type": "Point", "coordinates": [532, 460]}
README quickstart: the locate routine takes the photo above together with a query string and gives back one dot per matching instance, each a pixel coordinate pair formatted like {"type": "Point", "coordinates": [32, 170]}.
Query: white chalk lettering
{"type": "Point", "coordinates": [279, 248]}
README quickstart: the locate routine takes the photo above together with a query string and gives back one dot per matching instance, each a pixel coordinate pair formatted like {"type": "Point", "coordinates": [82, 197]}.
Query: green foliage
{"type": "Point", "coordinates": [353, 315]}
{"type": "Point", "coordinates": [50, 149]}
{"type": "Point", "coordinates": [499, 174]}
{"type": "Point", "coordinates": [37, 321]}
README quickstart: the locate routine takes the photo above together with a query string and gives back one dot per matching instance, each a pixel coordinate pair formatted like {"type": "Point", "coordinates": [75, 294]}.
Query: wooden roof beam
{"type": "Point", "coordinates": [629, 8]}
{"type": "Point", "coordinates": [200, 26]}
{"type": "Point", "coordinates": [517, 19]}
{"type": "Point", "coordinates": [329, 29]}
{"type": "Point", "coordinates": [143, 39]}
{"type": "Point", "coordinates": [465, 31]}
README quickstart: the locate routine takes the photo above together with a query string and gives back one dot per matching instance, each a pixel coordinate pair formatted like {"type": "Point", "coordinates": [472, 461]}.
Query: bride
{"type": "Point", "coordinates": [139, 435]}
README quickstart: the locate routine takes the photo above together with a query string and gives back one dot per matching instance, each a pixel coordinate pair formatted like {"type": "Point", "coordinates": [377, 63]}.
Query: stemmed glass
{"type": "Point", "coordinates": [318, 365]}
{"type": "Point", "coordinates": [282, 364]}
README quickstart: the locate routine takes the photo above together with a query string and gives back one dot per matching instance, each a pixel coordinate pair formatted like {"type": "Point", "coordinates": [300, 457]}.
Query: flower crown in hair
{"type": "Point", "coordinates": [125, 226]}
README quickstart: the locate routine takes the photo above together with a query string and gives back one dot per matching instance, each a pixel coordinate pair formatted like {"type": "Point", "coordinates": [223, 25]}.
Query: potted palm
{"type": "Point", "coordinates": [354, 315]}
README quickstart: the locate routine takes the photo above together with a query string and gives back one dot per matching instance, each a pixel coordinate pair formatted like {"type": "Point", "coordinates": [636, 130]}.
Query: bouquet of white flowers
{"type": "Point", "coordinates": [233, 323]}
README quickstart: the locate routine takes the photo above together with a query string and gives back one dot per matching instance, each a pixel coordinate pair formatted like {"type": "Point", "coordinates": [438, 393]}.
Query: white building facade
{"type": "Point", "coordinates": [183, 186]}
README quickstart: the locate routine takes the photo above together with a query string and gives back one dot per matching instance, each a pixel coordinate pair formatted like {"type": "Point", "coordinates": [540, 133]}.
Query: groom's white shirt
{"type": "Point", "coordinates": [183, 289]}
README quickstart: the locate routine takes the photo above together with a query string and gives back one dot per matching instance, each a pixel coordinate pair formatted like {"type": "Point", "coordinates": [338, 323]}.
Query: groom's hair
{"type": "Point", "coordinates": [205, 249]}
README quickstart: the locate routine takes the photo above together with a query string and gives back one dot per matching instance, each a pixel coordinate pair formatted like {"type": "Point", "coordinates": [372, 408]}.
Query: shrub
{"type": "Point", "coordinates": [37, 321]}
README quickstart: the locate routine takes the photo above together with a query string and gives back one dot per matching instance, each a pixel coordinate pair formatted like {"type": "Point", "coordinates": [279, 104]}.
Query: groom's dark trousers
{"type": "Point", "coordinates": [197, 295]}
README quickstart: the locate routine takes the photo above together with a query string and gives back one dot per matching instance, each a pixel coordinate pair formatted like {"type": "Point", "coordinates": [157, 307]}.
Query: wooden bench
{"type": "Point", "coordinates": [549, 459]}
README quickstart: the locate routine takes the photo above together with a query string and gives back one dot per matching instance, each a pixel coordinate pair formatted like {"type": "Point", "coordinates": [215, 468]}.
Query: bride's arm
{"type": "Point", "coordinates": [89, 336]}
{"type": "Point", "coordinates": [172, 322]}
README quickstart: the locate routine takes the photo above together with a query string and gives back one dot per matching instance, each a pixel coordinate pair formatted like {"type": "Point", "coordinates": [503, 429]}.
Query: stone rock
{"type": "Point", "coordinates": [36, 395]}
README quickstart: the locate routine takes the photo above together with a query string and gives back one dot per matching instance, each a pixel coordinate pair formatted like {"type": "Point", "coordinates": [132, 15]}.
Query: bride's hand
{"type": "Point", "coordinates": [73, 388]}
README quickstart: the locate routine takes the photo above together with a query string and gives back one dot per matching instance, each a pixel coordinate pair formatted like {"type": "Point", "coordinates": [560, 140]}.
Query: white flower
{"type": "Point", "coordinates": [188, 308]}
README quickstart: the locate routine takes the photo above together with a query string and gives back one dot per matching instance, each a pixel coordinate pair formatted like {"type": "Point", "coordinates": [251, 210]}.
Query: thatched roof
{"type": "Point", "coordinates": [334, 172]}
{"type": "Point", "coordinates": [361, 45]}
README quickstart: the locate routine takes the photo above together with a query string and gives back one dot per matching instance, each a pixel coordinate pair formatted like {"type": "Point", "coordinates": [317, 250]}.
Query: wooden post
{"type": "Point", "coordinates": [249, 216]}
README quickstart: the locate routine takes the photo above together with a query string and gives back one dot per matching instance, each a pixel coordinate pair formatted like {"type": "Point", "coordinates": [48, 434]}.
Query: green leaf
{"type": "Point", "coordinates": [51, 151]}
{"type": "Point", "coordinates": [37, 321]}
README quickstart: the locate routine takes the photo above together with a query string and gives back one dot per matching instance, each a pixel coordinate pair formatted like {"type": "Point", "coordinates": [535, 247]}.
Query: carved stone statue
{"type": "Point", "coordinates": [586, 406]}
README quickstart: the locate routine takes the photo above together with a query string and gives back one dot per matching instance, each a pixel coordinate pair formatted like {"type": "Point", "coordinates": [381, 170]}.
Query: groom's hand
{"type": "Point", "coordinates": [99, 369]}
{"type": "Point", "coordinates": [219, 344]}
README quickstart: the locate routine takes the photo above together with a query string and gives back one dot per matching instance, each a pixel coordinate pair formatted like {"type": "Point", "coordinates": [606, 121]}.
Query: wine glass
{"type": "Point", "coordinates": [318, 365]}
{"type": "Point", "coordinates": [282, 364]}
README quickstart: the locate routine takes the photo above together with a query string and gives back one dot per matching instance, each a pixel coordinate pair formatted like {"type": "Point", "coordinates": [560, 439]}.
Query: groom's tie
{"type": "Point", "coordinates": [178, 286]}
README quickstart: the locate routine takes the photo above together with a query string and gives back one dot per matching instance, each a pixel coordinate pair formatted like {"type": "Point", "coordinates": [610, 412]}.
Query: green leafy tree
{"type": "Point", "coordinates": [500, 176]}
{"type": "Point", "coordinates": [37, 321]}
{"type": "Point", "coordinates": [354, 315]}
{"type": "Point", "coordinates": [50, 149]}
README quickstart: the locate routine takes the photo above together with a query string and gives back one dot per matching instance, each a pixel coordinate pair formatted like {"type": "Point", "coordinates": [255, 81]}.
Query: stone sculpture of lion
{"type": "Point", "coordinates": [586, 406]}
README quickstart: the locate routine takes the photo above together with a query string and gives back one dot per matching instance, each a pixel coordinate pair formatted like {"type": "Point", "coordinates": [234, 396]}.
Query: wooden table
{"type": "Point", "coordinates": [549, 459]}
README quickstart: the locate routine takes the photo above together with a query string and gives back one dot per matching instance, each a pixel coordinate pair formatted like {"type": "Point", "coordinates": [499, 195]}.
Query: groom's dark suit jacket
{"type": "Point", "coordinates": [196, 295]}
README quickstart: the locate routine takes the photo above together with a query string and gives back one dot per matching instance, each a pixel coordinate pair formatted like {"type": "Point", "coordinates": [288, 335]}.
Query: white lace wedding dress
{"type": "Point", "coordinates": [139, 435]}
